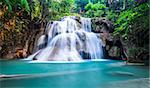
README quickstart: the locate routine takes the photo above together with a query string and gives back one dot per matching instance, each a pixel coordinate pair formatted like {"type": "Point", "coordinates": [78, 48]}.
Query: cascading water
{"type": "Point", "coordinates": [67, 42]}
{"type": "Point", "coordinates": [86, 24]}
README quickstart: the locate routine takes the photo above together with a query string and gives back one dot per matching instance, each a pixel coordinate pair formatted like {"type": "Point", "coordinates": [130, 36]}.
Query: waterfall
{"type": "Point", "coordinates": [86, 24]}
{"type": "Point", "coordinates": [66, 41]}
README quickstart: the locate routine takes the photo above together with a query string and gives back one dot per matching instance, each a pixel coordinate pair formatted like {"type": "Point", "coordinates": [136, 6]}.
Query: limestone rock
{"type": "Point", "coordinates": [102, 24]}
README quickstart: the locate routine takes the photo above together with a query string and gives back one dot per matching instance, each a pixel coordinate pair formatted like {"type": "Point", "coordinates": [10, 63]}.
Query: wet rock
{"type": "Point", "coordinates": [85, 55]}
{"type": "Point", "coordinates": [1, 41]}
{"type": "Point", "coordinates": [102, 24]}
{"type": "Point", "coordinates": [115, 50]}
{"type": "Point", "coordinates": [21, 53]}
{"type": "Point", "coordinates": [10, 55]}
{"type": "Point", "coordinates": [112, 46]}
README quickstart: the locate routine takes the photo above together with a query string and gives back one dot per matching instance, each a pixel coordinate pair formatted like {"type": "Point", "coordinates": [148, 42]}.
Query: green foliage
{"type": "Point", "coordinates": [95, 7]}
{"type": "Point", "coordinates": [80, 4]}
{"type": "Point", "coordinates": [51, 9]}
{"type": "Point", "coordinates": [24, 3]}
{"type": "Point", "coordinates": [95, 10]}
{"type": "Point", "coordinates": [60, 8]}
{"type": "Point", "coordinates": [127, 18]}
{"type": "Point", "coordinates": [11, 3]}
{"type": "Point", "coordinates": [111, 15]}
{"type": "Point", "coordinates": [100, 10]}
{"type": "Point", "coordinates": [89, 6]}
{"type": "Point", "coordinates": [124, 20]}
{"type": "Point", "coordinates": [67, 6]}
{"type": "Point", "coordinates": [133, 26]}
{"type": "Point", "coordinates": [36, 9]}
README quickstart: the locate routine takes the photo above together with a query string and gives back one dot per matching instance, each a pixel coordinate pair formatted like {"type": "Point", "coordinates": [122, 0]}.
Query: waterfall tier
{"type": "Point", "coordinates": [65, 41]}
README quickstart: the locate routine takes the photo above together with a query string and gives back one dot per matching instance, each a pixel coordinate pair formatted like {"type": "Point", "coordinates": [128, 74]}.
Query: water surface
{"type": "Point", "coordinates": [88, 74]}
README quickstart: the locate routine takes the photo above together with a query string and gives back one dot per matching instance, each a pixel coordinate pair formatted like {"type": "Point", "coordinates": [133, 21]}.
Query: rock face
{"type": "Point", "coordinates": [1, 40]}
{"type": "Point", "coordinates": [113, 48]}
{"type": "Point", "coordinates": [22, 43]}
{"type": "Point", "coordinates": [101, 25]}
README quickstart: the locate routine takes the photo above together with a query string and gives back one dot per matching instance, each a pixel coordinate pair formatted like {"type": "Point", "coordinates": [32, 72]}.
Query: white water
{"type": "Point", "coordinates": [68, 42]}
{"type": "Point", "coordinates": [86, 24]}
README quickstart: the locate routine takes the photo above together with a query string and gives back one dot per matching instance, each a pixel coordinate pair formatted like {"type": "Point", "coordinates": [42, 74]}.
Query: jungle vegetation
{"type": "Point", "coordinates": [19, 18]}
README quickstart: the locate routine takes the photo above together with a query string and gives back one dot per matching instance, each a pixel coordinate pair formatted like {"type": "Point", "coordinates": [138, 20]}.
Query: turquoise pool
{"type": "Point", "coordinates": [88, 74]}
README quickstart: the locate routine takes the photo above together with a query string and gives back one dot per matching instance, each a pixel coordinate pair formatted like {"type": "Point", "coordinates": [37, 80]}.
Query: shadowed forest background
{"type": "Point", "coordinates": [22, 22]}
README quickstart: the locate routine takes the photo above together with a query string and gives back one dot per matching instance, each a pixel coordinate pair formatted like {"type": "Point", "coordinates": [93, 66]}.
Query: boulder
{"type": "Point", "coordinates": [102, 24]}
{"type": "Point", "coordinates": [21, 53]}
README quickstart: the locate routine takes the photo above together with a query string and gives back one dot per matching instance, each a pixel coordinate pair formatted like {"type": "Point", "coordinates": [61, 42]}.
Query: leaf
{"type": "Point", "coordinates": [25, 4]}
